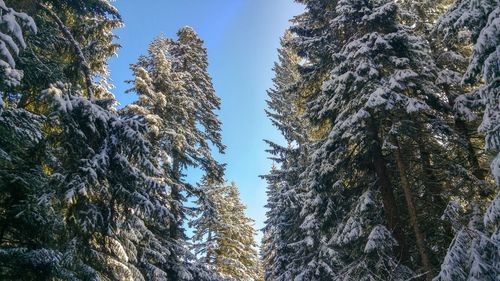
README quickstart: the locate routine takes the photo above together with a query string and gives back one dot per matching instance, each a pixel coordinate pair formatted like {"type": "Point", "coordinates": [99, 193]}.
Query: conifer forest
{"type": "Point", "coordinates": [388, 168]}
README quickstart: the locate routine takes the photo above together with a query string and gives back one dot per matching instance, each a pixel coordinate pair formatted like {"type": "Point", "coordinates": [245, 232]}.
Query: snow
{"type": "Point", "coordinates": [492, 215]}
{"type": "Point", "coordinates": [486, 52]}
{"type": "Point", "coordinates": [10, 41]}
{"type": "Point", "coordinates": [380, 238]}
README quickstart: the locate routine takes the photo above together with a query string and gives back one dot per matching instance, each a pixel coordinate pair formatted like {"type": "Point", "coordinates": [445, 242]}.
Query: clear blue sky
{"type": "Point", "coordinates": [242, 37]}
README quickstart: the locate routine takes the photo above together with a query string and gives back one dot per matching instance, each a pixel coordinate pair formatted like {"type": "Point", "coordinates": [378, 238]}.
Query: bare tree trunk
{"type": "Point", "coordinates": [431, 181]}
{"type": "Point", "coordinates": [420, 239]}
{"type": "Point", "coordinates": [462, 130]}
{"type": "Point", "coordinates": [390, 207]}
{"type": "Point", "coordinates": [461, 127]}
{"type": "Point", "coordinates": [175, 194]}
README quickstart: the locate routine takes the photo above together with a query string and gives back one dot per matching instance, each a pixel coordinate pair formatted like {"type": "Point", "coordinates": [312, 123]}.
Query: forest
{"type": "Point", "coordinates": [389, 169]}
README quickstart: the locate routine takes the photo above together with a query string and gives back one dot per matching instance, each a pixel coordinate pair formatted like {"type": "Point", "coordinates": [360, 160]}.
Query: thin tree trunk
{"type": "Point", "coordinates": [424, 257]}
{"type": "Point", "coordinates": [438, 204]}
{"type": "Point", "coordinates": [390, 207]}
{"type": "Point", "coordinates": [175, 193]}
{"type": "Point", "coordinates": [209, 251]}
{"type": "Point", "coordinates": [461, 127]}
{"type": "Point", "coordinates": [431, 181]}
{"type": "Point", "coordinates": [462, 130]}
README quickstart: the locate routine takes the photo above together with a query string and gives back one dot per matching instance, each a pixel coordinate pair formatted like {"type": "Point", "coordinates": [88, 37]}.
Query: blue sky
{"type": "Point", "coordinates": [242, 37]}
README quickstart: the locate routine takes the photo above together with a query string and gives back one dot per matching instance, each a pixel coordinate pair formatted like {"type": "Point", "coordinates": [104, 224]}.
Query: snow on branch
{"type": "Point", "coordinates": [81, 57]}
{"type": "Point", "coordinates": [12, 41]}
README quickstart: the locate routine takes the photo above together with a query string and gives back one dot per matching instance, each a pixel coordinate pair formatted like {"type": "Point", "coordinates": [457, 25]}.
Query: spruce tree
{"type": "Point", "coordinates": [73, 45]}
{"type": "Point", "coordinates": [376, 116]}
{"type": "Point", "coordinates": [280, 250]}
{"type": "Point", "coordinates": [225, 236]}
{"type": "Point", "coordinates": [177, 99]}
{"type": "Point", "coordinates": [28, 248]}
{"type": "Point", "coordinates": [478, 23]}
{"type": "Point", "coordinates": [473, 255]}
{"type": "Point", "coordinates": [103, 175]}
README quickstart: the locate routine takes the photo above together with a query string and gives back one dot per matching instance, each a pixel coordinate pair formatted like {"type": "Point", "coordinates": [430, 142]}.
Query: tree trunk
{"type": "Point", "coordinates": [388, 200]}
{"type": "Point", "coordinates": [424, 257]}
{"type": "Point", "coordinates": [462, 130]}
{"type": "Point", "coordinates": [430, 180]}
{"type": "Point", "coordinates": [461, 127]}
{"type": "Point", "coordinates": [209, 250]}
{"type": "Point", "coordinates": [175, 194]}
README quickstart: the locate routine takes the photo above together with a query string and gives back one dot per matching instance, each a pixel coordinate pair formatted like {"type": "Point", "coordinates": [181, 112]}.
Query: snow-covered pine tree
{"type": "Point", "coordinates": [73, 45]}
{"type": "Point", "coordinates": [28, 223]}
{"type": "Point", "coordinates": [104, 180]}
{"type": "Point", "coordinates": [451, 55]}
{"type": "Point", "coordinates": [178, 101]}
{"type": "Point", "coordinates": [474, 253]}
{"type": "Point", "coordinates": [225, 237]}
{"type": "Point", "coordinates": [242, 236]}
{"type": "Point", "coordinates": [207, 221]}
{"type": "Point", "coordinates": [191, 59]}
{"type": "Point", "coordinates": [477, 23]}
{"type": "Point", "coordinates": [28, 247]}
{"type": "Point", "coordinates": [381, 95]}
{"type": "Point", "coordinates": [451, 50]}
{"type": "Point", "coordinates": [284, 101]}
{"type": "Point", "coordinates": [279, 249]}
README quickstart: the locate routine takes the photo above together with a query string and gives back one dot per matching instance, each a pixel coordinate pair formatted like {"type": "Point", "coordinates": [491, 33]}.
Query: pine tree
{"type": "Point", "coordinates": [377, 115]}
{"type": "Point", "coordinates": [73, 44]}
{"type": "Point", "coordinates": [91, 181]}
{"type": "Point", "coordinates": [225, 236]}
{"type": "Point", "coordinates": [177, 99]}
{"type": "Point", "coordinates": [279, 251]}
{"type": "Point", "coordinates": [191, 58]}
{"type": "Point", "coordinates": [476, 23]}
{"type": "Point", "coordinates": [473, 255]}
{"type": "Point", "coordinates": [104, 178]}
{"type": "Point", "coordinates": [28, 244]}
{"type": "Point", "coordinates": [28, 249]}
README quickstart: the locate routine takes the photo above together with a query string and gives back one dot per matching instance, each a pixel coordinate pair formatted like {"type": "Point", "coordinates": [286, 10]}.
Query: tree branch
{"type": "Point", "coordinates": [83, 62]}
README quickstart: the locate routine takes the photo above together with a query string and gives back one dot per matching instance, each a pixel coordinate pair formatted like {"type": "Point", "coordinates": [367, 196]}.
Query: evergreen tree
{"type": "Point", "coordinates": [28, 223]}
{"type": "Point", "coordinates": [103, 176]}
{"type": "Point", "coordinates": [478, 23]}
{"type": "Point", "coordinates": [83, 174]}
{"type": "Point", "coordinates": [28, 248]}
{"type": "Point", "coordinates": [73, 45]}
{"type": "Point", "coordinates": [375, 115]}
{"type": "Point", "coordinates": [178, 101]}
{"type": "Point", "coordinates": [474, 253]}
{"type": "Point", "coordinates": [225, 236]}
{"type": "Point", "coordinates": [279, 249]}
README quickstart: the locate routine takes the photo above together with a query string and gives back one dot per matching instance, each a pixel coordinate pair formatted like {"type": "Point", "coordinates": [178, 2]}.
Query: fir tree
{"type": "Point", "coordinates": [73, 44]}
{"type": "Point", "coordinates": [378, 117]}
{"type": "Point", "coordinates": [178, 101]}
{"type": "Point", "coordinates": [473, 255]}
{"type": "Point", "coordinates": [105, 181]}
{"type": "Point", "coordinates": [279, 249]}
{"type": "Point", "coordinates": [225, 236]}
{"type": "Point", "coordinates": [28, 247]}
